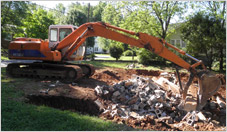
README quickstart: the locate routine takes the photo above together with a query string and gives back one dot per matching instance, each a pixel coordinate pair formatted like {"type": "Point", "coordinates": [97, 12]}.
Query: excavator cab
{"type": "Point", "coordinates": [57, 33]}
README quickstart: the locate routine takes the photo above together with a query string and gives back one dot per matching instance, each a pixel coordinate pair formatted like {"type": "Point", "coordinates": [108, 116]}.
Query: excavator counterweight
{"type": "Point", "coordinates": [65, 43]}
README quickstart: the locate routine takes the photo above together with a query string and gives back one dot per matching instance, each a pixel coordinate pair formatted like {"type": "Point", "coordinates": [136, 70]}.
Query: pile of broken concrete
{"type": "Point", "coordinates": [141, 98]}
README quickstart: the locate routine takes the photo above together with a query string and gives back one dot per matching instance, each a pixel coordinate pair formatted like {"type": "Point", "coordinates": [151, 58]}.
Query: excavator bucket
{"type": "Point", "coordinates": [208, 86]}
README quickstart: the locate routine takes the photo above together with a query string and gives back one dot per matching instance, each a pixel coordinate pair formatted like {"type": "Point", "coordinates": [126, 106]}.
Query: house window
{"type": "Point", "coordinates": [172, 41]}
{"type": "Point", "coordinates": [178, 42]}
{"type": "Point", "coordinates": [183, 44]}
{"type": "Point", "coordinates": [96, 48]}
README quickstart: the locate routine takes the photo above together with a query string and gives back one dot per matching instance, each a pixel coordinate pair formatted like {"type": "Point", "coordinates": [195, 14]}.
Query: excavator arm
{"type": "Point", "coordinates": [208, 83]}
{"type": "Point", "coordinates": [154, 44]}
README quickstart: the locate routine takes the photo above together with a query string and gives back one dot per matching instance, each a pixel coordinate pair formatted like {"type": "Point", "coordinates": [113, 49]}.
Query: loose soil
{"type": "Point", "coordinates": [80, 96]}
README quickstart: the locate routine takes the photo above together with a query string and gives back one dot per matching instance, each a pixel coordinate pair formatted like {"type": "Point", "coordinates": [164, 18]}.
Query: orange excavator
{"type": "Point", "coordinates": [65, 43]}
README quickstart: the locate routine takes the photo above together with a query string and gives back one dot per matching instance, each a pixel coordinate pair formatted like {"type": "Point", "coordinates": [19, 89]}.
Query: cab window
{"type": "Point", "coordinates": [53, 34]}
{"type": "Point", "coordinates": [64, 32]}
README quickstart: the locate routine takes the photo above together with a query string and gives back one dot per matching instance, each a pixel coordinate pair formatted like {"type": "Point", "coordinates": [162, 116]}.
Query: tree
{"type": "Point", "coordinates": [76, 17]}
{"type": "Point", "coordinates": [36, 24]}
{"type": "Point", "coordinates": [215, 14]}
{"type": "Point", "coordinates": [201, 33]}
{"type": "Point", "coordinates": [112, 16]}
{"type": "Point", "coordinates": [116, 51]}
{"type": "Point", "coordinates": [164, 12]}
{"type": "Point", "coordinates": [59, 14]}
{"type": "Point", "coordinates": [217, 9]}
{"type": "Point", "coordinates": [97, 11]}
{"type": "Point", "coordinates": [150, 17]}
{"type": "Point", "coordinates": [12, 14]}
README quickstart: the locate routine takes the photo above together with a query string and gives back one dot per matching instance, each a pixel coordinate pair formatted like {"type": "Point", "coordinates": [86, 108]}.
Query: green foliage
{"type": "Point", "coordinates": [146, 57]}
{"type": "Point", "coordinates": [98, 10]}
{"type": "Point", "coordinates": [204, 36]}
{"type": "Point", "coordinates": [92, 56]}
{"type": "Point", "coordinates": [37, 23]}
{"type": "Point", "coordinates": [129, 53]}
{"type": "Point", "coordinates": [11, 10]}
{"type": "Point", "coordinates": [76, 17]}
{"type": "Point", "coordinates": [113, 16]}
{"type": "Point", "coordinates": [116, 51]}
{"type": "Point", "coordinates": [148, 17]}
{"type": "Point", "coordinates": [59, 14]}
{"type": "Point", "coordinates": [12, 15]}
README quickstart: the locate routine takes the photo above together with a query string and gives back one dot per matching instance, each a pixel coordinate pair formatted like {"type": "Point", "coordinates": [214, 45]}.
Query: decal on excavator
{"type": "Point", "coordinates": [25, 53]}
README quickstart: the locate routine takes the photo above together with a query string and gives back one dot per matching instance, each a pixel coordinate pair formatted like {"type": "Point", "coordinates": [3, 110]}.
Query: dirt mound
{"type": "Point", "coordinates": [147, 73]}
{"type": "Point", "coordinates": [112, 75]}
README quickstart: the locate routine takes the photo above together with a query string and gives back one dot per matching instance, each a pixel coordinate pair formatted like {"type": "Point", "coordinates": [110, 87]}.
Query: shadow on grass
{"type": "Point", "coordinates": [17, 116]}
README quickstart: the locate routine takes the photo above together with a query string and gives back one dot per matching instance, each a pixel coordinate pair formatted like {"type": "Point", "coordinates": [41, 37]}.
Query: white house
{"type": "Point", "coordinates": [95, 49]}
{"type": "Point", "coordinates": [175, 38]}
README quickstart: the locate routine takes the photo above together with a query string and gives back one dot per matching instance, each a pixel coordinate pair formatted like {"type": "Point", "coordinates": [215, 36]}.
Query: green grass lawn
{"type": "Point", "coordinates": [122, 58]}
{"type": "Point", "coordinates": [102, 54]}
{"type": "Point", "coordinates": [124, 66]}
{"type": "Point", "coordinates": [19, 116]}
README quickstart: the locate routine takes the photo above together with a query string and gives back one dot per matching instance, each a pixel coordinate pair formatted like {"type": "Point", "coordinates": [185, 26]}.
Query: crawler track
{"type": "Point", "coordinates": [66, 72]}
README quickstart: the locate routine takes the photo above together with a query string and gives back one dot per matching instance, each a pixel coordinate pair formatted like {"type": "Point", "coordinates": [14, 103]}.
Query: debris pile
{"type": "Point", "coordinates": [142, 102]}
{"type": "Point", "coordinates": [140, 97]}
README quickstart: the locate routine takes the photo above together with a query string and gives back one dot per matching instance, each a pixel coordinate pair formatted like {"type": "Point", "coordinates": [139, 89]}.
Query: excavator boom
{"type": "Point", "coordinates": [154, 44]}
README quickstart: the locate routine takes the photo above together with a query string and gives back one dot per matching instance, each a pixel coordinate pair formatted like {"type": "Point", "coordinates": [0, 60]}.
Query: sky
{"type": "Point", "coordinates": [52, 4]}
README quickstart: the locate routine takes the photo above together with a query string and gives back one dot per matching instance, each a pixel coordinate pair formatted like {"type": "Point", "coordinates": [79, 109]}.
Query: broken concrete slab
{"type": "Point", "coordinates": [116, 93]}
{"type": "Point", "coordinates": [201, 116]}
{"type": "Point", "coordinates": [98, 90]}
{"type": "Point", "coordinates": [221, 103]}
{"type": "Point", "coordinates": [167, 85]}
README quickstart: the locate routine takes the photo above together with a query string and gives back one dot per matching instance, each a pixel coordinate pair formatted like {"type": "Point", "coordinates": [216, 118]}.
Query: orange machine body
{"type": "Point", "coordinates": [32, 49]}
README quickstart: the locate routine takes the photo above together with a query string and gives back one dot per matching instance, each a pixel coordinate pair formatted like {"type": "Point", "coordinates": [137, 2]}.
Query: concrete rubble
{"type": "Point", "coordinates": [140, 97]}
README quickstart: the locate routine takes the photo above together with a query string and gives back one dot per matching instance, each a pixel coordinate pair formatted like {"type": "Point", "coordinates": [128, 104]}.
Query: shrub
{"type": "Point", "coordinates": [116, 51]}
{"type": "Point", "coordinates": [92, 56]}
{"type": "Point", "coordinates": [128, 53]}
{"type": "Point", "coordinates": [144, 56]}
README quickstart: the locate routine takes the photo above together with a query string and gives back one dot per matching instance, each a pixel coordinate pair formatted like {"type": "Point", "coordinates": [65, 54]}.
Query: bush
{"type": "Point", "coordinates": [116, 51]}
{"type": "Point", "coordinates": [92, 56]}
{"type": "Point", "coordinates": [146, 57]}
{"type": "Point", "coordinates": [128, 53]}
